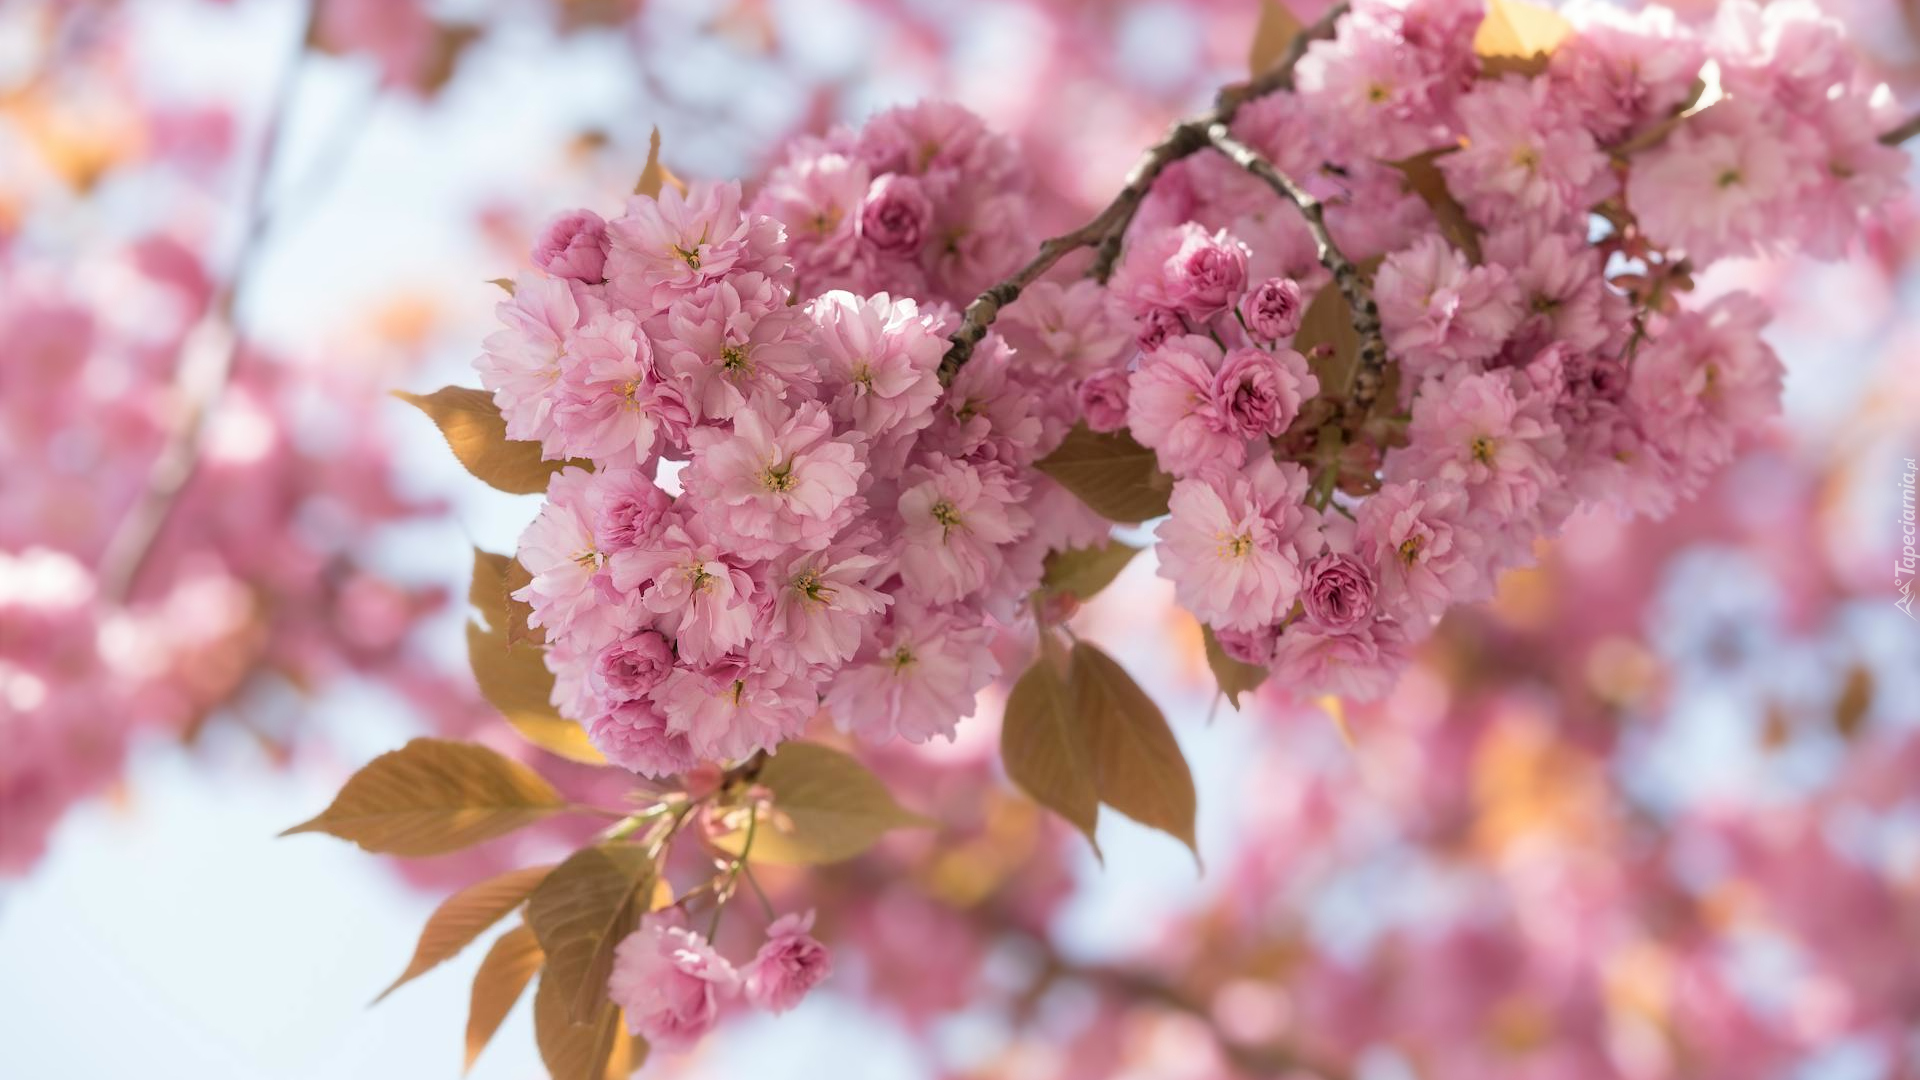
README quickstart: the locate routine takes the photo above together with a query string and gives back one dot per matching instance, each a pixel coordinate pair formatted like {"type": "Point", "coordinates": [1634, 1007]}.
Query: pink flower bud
{"type": "Point", "coordinates": [896, 215]}
{"type": "Point", "coordinates": [634, 736]}
{"type": "Point", "coordinates": [574, 245]}
{"type": "Point", "coordinates": [1339, 592]}
{"type": "Point", "coordinates": [788, 965]}
{"type": "Point", "coordinates": [1272, 309]}
{"type": "Point", "coordinates": [671, 983]}
{"type": "Point", "coordinates": [1253, 646]}
{"type": "Point", "coordinates": [1157, 325]}
{"type": "Point", "coordinates": [632, 667]}
{"type": "Point", "coordinates": [1257, 394]}
{"type": "Point", "coordinates": [1103, 400]}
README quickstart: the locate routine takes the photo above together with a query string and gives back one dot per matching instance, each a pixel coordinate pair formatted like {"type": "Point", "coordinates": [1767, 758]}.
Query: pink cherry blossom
{"type": "Point", "coordinates": [731, 709]}
{"type": "Point", "coordinates": [634, 735]}
{"type": "Point", "coordinates": [559, 550]}
{"type": "Point", "coordinates": [1078, 328]}
{"type": "Point", "coordinates": [1472, 430]}
{"type": "Point", "coordinates": [1171, 407]}
{"type": "Point", "coordinates": [731, 341]}
{"type": "Point", "coordinates": [1103, 400]}
{"type": "Point", "coordinates": [1716, 187]}
{"type": "Point", "coordinates": [670, 983]}
{"type": "Point", "coordinates": [1438, 311]}
{"type": "Point", "coordinates": [615, 404]}
{"type": "Point", "coordinates": [1237, 541]}
{"type": "Point", "coordinates": [1258, 393]}
{"type": "Point", "coordinates": [954, 519]}
{"type": "Point", "coordinates": [1185, 269]}
{"type": "Point", "coordinates": [523, 363]}
{"type": "Point", "coordinates": [823, 603]}
{"type": "Point", "coordinates": [897, 216]}
{"type": "Point", "coordinates": [1272, 309]}
{"type": "Point", "coordinates": [703, 594]}
{"type": "Point", "coordinates": [917, 679]}
{"type": "Point", "coordinates": [779, 479]}
{"type": "Point", "coordinates": [1338, 594]}
{"type": "Point", "coordinates": [788, 965]}
{"type": "Point", "coordinates": [1523, 157]}
{"type": "Point", "coordinates": [1418, 542]}
{"type": "Point", "coordinates": [1708, 377]}
{"type": "Point", "coordinates": [877, 360]}
{"type": "Point", "coordinates": [1359, 664]}
{"type": "Point", "coordinates": [631, 667]}
{"type": "Point", "coordinates": [662, 249]}
{"type": "Point", "coordinates": [574, 246]}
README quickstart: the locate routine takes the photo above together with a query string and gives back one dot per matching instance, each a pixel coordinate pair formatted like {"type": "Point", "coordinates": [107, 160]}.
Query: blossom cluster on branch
{"type": "Point", "coordinates": [1533, 223]}
{"type": "Point", "coordinates": [845, 531]}
{"type": "Point", "coordinates": [1359, 338]}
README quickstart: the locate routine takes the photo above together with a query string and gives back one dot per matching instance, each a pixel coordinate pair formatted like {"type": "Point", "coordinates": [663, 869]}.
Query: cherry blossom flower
{"type": "Point", "coordinates": [1236, 543]}
{"type": "Point", "coordinates": [788, 965]}
{"type": "Point", "coordinates": [670, 983]}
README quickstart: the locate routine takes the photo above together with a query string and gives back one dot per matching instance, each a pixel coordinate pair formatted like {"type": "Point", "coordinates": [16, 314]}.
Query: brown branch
{"type": "Point", "coordinates": [207, 359]}
{"type": "Point", "coordinates": [1277, 1059]}
{"type": "Point", "coordinates": [1904, 132]}
{"type": "Point", "coordinates": [1107, 231]}
{"type": "Point", "coordinates": [1370, 371]}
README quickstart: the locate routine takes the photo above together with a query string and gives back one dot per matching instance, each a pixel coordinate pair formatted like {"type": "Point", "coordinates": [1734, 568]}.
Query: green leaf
{"type": "Point", "coordinates": [515, 680]}
{"type": "Point", "coordinates": [1328, 340]}
{"type": "Point", "coordinates": [1045, 747]}
{"type": "Point", "coordinates": [1275, 32]}
{"type": "Point", "coordinates": [1137, 765]}
{"type": "Point", "coordinates": [1707, 93]}
{"type": "Point", "coordinates": [581, 912]}
{"type": "Point", "coordinates": [1850, 709]}
{"type": "Point", "coordinates": [477, 434]}
{"type": "Point", "coordinates": [595, 1049]}
{"type": "Point", "coordinates": [1422, 176]}
{"type": "Point", "coordinates": [465, 916]}
{"type": "Point", "coordinates": [827, 808]}
{"type": "Point", "coordinates": [433, 796]}
{"type": "Point", "coordinates": [1234, 677]}
{"type": "Point", "coordinates": [1083, 572]}
{"type": "Point", "coordinates": [1113, 474]}
{"type": "Point", "coordinates": [654, 176]}
{"type": "Point", "coordinates": [503, 976]}
{"type": "Point", "coordinates": [1518, 38]}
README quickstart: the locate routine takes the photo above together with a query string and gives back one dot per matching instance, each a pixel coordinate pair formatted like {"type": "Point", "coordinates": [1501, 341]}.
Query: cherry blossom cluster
{"type": "Point", "coordinates": [259, 575]}
{"type": "Point", "coordinates": [785, 509]}
{"type": "Point", "coordinates": [1527, 301]}
{"type": "Point", "coordinates": [921, 200]}
{"type": "Point", "coordinates": [674, 986]}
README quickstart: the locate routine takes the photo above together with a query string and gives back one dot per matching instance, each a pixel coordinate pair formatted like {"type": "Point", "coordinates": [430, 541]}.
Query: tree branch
{"type": "Point", "coordinates": [1255, 1060]}
{"type": "Point", "coordinates": [207, 358]}
{"type": "Point", "coordinates": [1369, 373]}
{"type": "Point", "coordinates": [1108, 229]}
{"type": "Point", "coordinates": [1904, 132]}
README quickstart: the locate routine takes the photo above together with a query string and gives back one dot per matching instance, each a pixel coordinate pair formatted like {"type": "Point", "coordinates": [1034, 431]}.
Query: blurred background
{"type": "Point", "coordinates": [1656, 813]}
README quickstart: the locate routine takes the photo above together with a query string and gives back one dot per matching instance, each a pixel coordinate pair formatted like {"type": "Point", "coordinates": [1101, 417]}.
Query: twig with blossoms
{"type": "Point", "coordinates": [1905, 131]}
{"type": "Point", "coordinates": [1130, 985]}
{"type": "Point", "coordinates": [208, 355]}
{"type": "Point", "coordinates": [1108, 228]}
{"type": "Point", "coordinates": [1346, 276]}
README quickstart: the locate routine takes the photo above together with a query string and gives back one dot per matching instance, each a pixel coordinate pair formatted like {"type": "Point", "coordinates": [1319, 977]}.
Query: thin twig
{"type": "Point", "coordinates": [207, 357]}
{"type": "Point", "coordinates": [725, 890]}
{"type": "Point", "coordinates": [1370, 370]}
{"type": "Point", "coordinates": [1254, 1060]}
{"type": "Point", "coordinates": [1904, 132]}
{"type": "Point", "coordinates": [1107, 231]}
